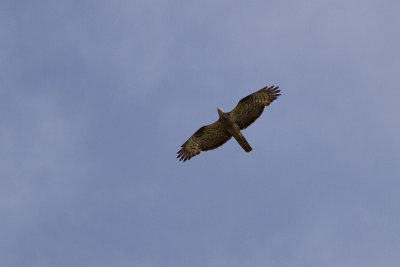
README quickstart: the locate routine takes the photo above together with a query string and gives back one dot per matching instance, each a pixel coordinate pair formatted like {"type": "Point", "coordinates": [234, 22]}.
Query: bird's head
{"type": "Point", "coordinates": [220, 112]}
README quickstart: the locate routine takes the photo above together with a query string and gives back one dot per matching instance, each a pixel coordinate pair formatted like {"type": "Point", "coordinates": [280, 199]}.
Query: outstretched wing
{"type": "Point", "coordinates": [206, 138]}
{"type": "Point", "coordinates": [252, 106]}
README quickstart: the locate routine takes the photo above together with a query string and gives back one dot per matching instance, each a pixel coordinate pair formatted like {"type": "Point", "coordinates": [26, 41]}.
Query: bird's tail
{"type": "Point", "coordinates": [242, 142]}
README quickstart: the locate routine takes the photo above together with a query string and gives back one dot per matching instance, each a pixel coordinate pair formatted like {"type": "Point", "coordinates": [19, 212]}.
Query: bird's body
{"type": "Point", "coordinates": [229, 124]}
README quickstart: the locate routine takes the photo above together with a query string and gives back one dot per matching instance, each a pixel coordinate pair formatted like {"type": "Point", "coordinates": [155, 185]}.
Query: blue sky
{"type": "Point", "coordinates": [97, 96]}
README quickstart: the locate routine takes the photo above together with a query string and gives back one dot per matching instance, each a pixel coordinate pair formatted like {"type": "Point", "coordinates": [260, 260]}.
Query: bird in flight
{"type": "Point", "coordinates": [229, 124]}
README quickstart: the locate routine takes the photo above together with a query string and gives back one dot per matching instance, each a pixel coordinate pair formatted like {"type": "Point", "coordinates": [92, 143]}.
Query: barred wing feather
{"type": "Point", "coordinates": [252, 106]}
{"type": "Point", "coordinates": [206, 138]}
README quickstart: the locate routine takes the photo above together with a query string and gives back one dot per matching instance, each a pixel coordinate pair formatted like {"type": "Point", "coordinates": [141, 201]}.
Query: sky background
{"type": "Point", "coordinates": [96, 98]}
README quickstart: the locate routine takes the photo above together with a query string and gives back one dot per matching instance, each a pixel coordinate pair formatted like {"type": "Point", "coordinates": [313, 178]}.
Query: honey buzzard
{"type": "Point", "coordinates": [229, 124]}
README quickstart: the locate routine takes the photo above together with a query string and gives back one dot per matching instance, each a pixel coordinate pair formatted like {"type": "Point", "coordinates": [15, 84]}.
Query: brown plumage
{"type": "Point", "coordinates": [229, 124]}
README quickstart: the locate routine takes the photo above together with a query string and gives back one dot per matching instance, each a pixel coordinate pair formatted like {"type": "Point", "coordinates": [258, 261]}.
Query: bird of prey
{"type": "Point", "coordinates": [229, 124]}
